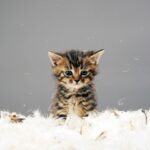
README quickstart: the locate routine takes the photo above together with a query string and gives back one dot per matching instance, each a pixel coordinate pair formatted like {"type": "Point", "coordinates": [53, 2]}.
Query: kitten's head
{"type": "Point", "coordinates": [75, 69]}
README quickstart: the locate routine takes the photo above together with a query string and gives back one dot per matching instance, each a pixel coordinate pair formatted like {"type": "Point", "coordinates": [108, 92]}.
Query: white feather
{"type": "Point", "coordinates": [108, 130]}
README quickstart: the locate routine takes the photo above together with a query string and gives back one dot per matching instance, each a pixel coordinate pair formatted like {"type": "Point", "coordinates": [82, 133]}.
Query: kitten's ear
{"type": "Point", "coordinates": [94, 58]}
{"type": "Point", "coordinates": [54, 58]}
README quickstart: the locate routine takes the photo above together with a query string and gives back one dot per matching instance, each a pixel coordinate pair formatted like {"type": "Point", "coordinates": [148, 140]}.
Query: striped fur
{"type": "Point", "coordinates": [75, 71]}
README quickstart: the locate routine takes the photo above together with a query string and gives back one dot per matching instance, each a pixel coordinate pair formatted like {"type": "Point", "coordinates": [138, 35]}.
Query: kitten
{"type": "Point", "coordinates": [74, 71]}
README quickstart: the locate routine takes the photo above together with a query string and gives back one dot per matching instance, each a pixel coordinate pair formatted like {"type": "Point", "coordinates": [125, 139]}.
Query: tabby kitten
{"type": "Point", "coordinates": [74, 71]}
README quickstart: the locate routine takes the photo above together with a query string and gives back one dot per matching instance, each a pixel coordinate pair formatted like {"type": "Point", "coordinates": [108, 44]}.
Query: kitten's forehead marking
{"type": "Point", "coordinates": [75, 57]}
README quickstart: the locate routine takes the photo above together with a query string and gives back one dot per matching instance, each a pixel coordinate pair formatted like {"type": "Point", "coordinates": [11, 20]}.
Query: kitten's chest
{"type": "Point", "coordinates": [75, 105]}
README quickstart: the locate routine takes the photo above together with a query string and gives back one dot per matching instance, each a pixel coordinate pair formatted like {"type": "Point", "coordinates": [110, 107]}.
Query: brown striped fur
{"type": "Point", "coordinates": [75, 71]}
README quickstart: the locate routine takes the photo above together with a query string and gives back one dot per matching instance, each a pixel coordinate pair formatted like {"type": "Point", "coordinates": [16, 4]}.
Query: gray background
{"type": "Point", "coordinates": [28, 29]}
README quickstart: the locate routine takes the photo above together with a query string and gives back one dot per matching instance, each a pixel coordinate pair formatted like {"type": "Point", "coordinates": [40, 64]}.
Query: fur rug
{"type": "Point", "coordinates": [108, 130]}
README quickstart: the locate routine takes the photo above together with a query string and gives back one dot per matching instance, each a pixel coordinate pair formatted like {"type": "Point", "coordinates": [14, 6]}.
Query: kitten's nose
{"type": "Point", "coordinates": [76, 81]}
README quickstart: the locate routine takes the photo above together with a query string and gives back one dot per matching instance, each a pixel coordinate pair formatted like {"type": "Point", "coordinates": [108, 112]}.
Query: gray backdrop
{"type": "Point", "coordinates": [28, 29]}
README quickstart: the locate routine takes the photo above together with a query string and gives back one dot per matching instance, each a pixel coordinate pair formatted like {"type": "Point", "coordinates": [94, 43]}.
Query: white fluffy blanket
{"type": "Point", "coordinates": [108, 130]}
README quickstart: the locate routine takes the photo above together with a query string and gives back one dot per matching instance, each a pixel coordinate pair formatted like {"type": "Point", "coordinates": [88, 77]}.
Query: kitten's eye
{"type": "Point", "coordinates": [68, 73]}
{"type": "Point", "coordinates": [84, 73]}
